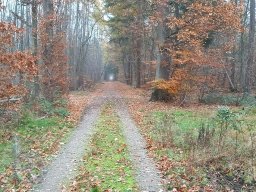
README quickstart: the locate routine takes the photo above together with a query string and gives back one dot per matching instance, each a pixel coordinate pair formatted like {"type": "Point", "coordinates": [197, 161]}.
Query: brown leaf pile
{"type": "Point", "coordinates": [78, 101]}
{"type": "Point", "coordinates": [76, 105]}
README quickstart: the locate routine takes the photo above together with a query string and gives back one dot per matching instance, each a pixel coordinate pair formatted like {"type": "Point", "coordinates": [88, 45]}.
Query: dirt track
{"type": "Point", "coordinates": [62, 169]}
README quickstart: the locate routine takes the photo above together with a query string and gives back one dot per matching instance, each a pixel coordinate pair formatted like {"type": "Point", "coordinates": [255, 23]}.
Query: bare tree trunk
{"type": "Point", "coordinates": [48, 11]}
{"type": "Point", "coordinates": [242, 47]}
{"type": "Point", "coordinates": [160, 38]}
{"type": "Point", "coordinates": [35, 43]}
{"type": "Point", "coordinates": [139, 44]}
{"type": "Point", "coordinates": [163, 58]}
{"type": "Point", "coordinates": [249, 76]}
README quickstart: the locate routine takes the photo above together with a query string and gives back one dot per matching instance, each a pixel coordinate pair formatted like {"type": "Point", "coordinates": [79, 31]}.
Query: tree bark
{"type": "Point", "coordinates": [249, 70]}
{"type": "Point", "coordinates": [48, 11]}
{"type": "Point", "coordinates": [34, 7]}
{"type": "Point", "coordinates": [139, 45]}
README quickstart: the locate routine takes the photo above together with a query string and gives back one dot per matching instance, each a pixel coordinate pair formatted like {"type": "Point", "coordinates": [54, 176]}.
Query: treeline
{"type": "Point", "coordinates": [185, 46]}
{"type": "Point", "coordinates": [181, 47]}
{"type": "Point", "coordinates": [48, 48]}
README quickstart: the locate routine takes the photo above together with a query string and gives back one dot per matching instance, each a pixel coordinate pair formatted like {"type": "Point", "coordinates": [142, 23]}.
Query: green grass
{"type": "Point", "coordinates": [107, 163]}
{"type": "Point", "coordinates": [179, 123]}
{"type": "Point", "coordinates": [6, 155]}
{"type": "Point", "coordinates": [182, 131]}
{"type": "Point", "coordinates": [34, 127]}
{"type": "Point", "coordinates": [182, 125]}
{"type": "Point", "coordinates": [188, 120]}
{"type": "Point", "coordinates": [183, 119]}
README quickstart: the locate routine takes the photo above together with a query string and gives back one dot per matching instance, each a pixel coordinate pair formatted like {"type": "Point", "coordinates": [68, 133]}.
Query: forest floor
{"type": "Point", "coordinates": [126, 143]}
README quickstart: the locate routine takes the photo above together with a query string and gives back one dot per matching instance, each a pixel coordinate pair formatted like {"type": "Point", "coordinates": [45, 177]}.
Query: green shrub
{"type": "Point", "coordinates": [28, 120]}
{"type": "Point", "coordinates": [163, 128]}
{"type": "Point", "coordinates": [218, 98]}
{"type": "Point", "coordinates": [229, 99]}
{"type": "Point", "coordinates": [226, 122]}
{"type": "Point", "coordinates": [63, 112]}
{"type": "Point", "coordinates": [224, 114]}
{"type": "Point", "coordinates": [248, 100]}
{"type": "Point", "coordinates": [46, 107]}
{"type": "Point", "coordinates": [231, 118]}
{"type": "Point", "coordinates": [58, 107]}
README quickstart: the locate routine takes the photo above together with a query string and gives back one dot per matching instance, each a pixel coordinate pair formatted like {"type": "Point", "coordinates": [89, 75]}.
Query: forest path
{"type": "Point", "coordinates": [63, 167]}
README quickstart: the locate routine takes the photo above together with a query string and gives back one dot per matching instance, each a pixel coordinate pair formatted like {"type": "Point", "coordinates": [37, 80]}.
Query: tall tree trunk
{"type": "Point", "coordinates": [48, 11]}
{"type": "Point", "coordinates": [139, 44]}
{"type": "Point", "coordinates": [35, 43]}
{"type": "Point", "coordinates": [249, 70]}
{"type": "Point", "coordinates": [242, 47]}
{"type": "Point", "coordinates": [160, 40]}
{"type": "Point", "coordinates": [163, 58]}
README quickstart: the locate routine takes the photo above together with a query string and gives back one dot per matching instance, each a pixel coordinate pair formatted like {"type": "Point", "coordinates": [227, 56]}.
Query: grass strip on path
{"type": "Point", "coordinates": [106, 165]}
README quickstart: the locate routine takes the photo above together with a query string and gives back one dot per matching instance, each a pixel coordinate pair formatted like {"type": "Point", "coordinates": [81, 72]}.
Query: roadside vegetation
{"type": "Point", "coordinates": [200, 147]}
{"type": "Point", "coordinates": [204, 148]}
{"type": "Point", "coordinates": [106, 165]}
{"type": "Point", "coordinates": [32, 137]}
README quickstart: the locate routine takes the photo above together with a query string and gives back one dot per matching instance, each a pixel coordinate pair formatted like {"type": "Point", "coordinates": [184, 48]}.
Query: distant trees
{"type": "Point", "coordinates": [179, 46]}
{"type": "Point", "coordinates": [85, 39]}
{"type": "Point", "coordinates": [127, 28]}
{"type": "Point", "coordinates": [54, 44]}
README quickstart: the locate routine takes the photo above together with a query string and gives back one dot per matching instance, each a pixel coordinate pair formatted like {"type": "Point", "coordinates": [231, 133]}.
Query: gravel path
{"type": "Point", "coordinates": [147, 175]}
{"type": "Point", "coordinates": [63, 167]}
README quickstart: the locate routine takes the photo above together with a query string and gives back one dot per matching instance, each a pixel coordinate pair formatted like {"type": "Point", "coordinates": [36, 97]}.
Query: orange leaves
{"type": "Point", "coordinates": [164, 164]}
{"type": "Point", "coordinates": [175, 84]}
{"type": "Point", "coordinates": [122, 148]}
{"type": "Point", "coordinates": [76, 105]}
{"type": "Point", "coordinates": [7, 31]}
{"type": "Point", "coordinates": [16, 67]}
{"type": "Point", "coordinates": [203, 35]}
{"type": "Point", "coordinates": [54, 69]}
{"type": "Point", "coordinates": [9, 28]}
{"type": "Point", "coordinates": [201, 19]}
{"type": "Point", "coordinates": [172, 86]}
{"type": "Point", "coordinates": [19, 62]}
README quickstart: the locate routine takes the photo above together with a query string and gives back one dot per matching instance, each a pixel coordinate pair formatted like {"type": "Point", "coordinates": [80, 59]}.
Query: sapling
{"type": "Point", "coordinates": [16, 152]}
{"type": "Point", "coordinates": [224, 116]}
{"type": "Point", "coordinates": [227, 120]}
{"type": "Point", "coordinates": [252, 133]}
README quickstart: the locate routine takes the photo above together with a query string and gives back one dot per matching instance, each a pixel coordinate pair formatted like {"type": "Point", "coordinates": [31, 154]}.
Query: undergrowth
{"type": "Point", "coordinates": [237, 99]}
{"type": "Point", "coordinates": [58, 107]}
{"type": "Point", "coordinates": [27, 144]}
{"type": "Point", "coordinates": [206, 147]}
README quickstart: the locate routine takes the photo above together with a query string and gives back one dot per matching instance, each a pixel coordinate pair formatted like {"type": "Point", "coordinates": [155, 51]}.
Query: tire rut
{"type": "Point", "coordinates": [147, 175]}
{"type": "Point", "coordinates": [63, 166]}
